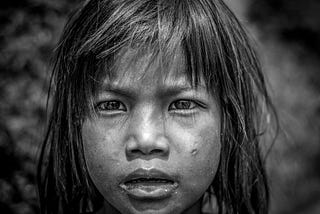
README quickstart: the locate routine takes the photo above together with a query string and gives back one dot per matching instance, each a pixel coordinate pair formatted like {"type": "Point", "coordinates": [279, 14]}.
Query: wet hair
{"type": "Point", "coordinates": [215, 47]}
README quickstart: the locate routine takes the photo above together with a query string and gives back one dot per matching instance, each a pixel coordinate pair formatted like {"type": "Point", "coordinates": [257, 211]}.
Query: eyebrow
{"type": "Point", "coordinates": [166, 90]}
{"type": "Point", "coordinates": [172, 90]}
{"type": "Point", "coordinates": [124, 91]}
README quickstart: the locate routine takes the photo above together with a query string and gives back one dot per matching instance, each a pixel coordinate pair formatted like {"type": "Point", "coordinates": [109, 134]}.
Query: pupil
{"type": "Point", "coordinates": [183, 104]}
{"type": "Point", "coordinates": [113, 105]}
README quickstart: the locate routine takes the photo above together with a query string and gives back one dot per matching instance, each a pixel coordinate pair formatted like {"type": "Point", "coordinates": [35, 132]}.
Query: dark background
{"type": "Point", "coordinates": [287, 34]}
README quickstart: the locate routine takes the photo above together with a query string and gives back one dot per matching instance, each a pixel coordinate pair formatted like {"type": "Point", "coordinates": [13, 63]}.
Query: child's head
{"type": "Point", "coordinates": [156, 102]}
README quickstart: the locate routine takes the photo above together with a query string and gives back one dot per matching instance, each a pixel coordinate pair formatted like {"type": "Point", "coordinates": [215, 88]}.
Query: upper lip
{"type": "Point", "coordinates": [148, 174]}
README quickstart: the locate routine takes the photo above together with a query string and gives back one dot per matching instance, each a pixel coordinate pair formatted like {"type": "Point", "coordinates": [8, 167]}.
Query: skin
{"type": "Point", "coordinates": [147, 118]}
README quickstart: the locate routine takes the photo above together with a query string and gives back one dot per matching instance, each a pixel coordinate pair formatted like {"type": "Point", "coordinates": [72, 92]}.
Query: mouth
{"type": "Point", "coordinates": [149, 184]}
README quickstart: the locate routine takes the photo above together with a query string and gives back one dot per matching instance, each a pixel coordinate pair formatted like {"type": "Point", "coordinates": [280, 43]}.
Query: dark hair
{"type": "Point", "coordinates": [215, 47]}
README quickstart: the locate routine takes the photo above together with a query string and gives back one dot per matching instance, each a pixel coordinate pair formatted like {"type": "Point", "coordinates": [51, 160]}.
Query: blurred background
{"type": "Point", "coordinates": [287, 35]}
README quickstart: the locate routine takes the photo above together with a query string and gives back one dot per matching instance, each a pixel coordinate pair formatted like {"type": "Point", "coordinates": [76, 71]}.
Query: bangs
{"type": "Point", "coordinates": [157, 28]}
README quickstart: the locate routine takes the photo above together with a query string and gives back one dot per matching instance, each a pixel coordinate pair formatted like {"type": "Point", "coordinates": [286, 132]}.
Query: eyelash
{"type": "Point", "coordinates": [189, 103]}
{"type": "Point", "coordinates": [100, 106]}
{"type": "Point", "coordinates": [187, 106]}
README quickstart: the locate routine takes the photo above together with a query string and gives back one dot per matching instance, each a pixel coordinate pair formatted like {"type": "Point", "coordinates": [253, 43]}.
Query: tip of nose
{"type": "Point", "coordinates": [146, 150]}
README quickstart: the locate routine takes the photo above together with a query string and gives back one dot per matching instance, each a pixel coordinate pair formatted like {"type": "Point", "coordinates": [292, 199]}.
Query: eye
{"type": "Point", "coordinates": [183, 105]}
{"type": "Point", "coordinates": [111, 106]}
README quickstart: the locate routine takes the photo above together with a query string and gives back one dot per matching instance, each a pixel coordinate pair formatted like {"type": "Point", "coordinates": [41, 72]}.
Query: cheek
{"type": "Point", "coordinates": [204, 161]}
{"type": "Point", "coordinates": [200, 142]}
{"type": "Point", "coordinates": [102, 154]}
{"type": "Point", "coordinates": [204, 153]}
{"type": "Point", "coordinates": [198, 152]}
{"type": "Point", "coordinates": [99, 144]}
{"type": "Point", "coordinates": [208, 154]}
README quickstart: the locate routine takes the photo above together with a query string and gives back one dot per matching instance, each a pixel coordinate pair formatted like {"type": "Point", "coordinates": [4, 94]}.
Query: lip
{"type": "Point", "coordinates": [149, 184]}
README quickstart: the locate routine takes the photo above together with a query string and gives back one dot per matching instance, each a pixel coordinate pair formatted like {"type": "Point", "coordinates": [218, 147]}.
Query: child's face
{"type": "Point", "coordinates": [154, 146]}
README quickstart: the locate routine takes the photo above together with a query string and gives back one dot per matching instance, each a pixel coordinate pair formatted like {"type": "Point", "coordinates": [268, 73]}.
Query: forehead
{"type": "Point", "coordinates": [148, 69]}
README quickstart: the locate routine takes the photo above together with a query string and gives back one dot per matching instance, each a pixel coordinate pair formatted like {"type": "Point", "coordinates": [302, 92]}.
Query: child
{"type": "Point", "coordinates": [157, 108]}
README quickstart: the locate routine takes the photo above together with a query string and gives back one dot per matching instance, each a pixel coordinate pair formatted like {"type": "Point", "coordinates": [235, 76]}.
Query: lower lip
{"type": "Point", "coordinates": [151, 191]}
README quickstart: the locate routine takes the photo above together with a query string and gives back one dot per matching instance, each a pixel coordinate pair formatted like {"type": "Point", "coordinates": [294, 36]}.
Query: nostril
{"type": "Point", "coordinates": [135, 151]}
{"type": "Point", "coordinates": [141, 152]}
{"type": "Point", "coordinates": [156, 151]}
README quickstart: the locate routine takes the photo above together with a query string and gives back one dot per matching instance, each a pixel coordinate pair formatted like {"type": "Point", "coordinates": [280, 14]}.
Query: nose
{"type": "Point", "coordinates": [146, 136]}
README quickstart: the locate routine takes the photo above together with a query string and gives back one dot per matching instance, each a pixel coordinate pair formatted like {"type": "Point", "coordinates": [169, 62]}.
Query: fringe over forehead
{"type": "Point", "coordinates": [207, 33]}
